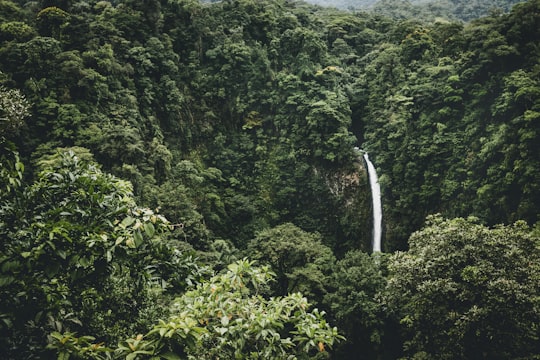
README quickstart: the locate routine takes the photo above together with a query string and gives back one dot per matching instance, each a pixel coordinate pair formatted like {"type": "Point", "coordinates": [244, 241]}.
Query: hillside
{"type": "Point", "coordinates": [424, 9]}
{"type": "Point", "coordinates": [195, 163]}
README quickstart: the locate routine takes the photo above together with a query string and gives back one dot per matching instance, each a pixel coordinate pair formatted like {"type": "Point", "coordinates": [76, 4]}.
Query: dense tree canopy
{"type": "Point", "coordinates": [464, 10]}
{"type": "Point", "coordinates": [77, 254]}
{"type": "Point", "coordinates": [236, 121]}
{"type": "Point", "coordinates": [300, 260]}
{"type": "Point", "coordinates": [465, 291]}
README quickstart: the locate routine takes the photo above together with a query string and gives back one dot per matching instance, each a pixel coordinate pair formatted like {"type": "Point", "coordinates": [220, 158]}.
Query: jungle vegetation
{"type": "Point", "coordinates": [178, 181]}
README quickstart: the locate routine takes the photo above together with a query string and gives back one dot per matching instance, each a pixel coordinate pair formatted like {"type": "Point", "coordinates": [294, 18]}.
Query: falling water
{"type": "Point", "coordinates": [377, 208]}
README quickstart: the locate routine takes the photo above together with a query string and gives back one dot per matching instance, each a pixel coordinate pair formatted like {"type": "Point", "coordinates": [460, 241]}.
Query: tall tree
{"type": "Point", "coordinates": [78, 255]}
{"type": "Point", "coordinates": [467, 291]}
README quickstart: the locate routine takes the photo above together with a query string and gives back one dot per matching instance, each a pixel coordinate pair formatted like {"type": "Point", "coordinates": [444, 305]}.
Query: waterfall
{"type": "Point", "coordinates": [377, 207]}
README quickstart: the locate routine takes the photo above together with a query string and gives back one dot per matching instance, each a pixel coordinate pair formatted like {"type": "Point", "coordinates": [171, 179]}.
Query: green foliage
{"type": "Point", "coordinates": [198, 205]}
{"type": "Point", "coordinates": [79, 254]}
{"type": "Point", "coordinates": [14, 108]}
{"type": "Point", "coordinates": [252, 325]}
{"type": "Point", "coordinates": [466, 291]}
{"type": "Point", "coordinates": [68, 345]}
{"type": "Point", "coordinates": [300, 260]}
{"type": "Point", "coordinates": [439, 125]}
{"type": "Point", "coordinates": [223, 317]}
{"type": "Point", "coordinates": [50, 21]}
{"type": "Point", "coordinates": [434, 9]}
{"type": "Point", "coordinates": [226, 317]}
{"type": "Point", "coordinates": [233, 118]}
{"type": "Point", "coordinates": [11, 169]}
{"type": "Point", "coordinates": [16, 30]}
{"type": "Point", "coordinates": [352, 300]}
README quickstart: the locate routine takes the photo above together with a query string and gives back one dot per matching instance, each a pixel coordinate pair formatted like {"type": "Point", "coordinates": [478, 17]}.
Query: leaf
{"type": "Point", "coordinates": [13, 265]}
{"type": "Point", "coordinates": [119, 240]}
{"type": "Point", "coordinates": [138, 238]}
{"type": "Point", "coordinates": [19, 166]}
{"type": "Point", "coordinates": [62, 254]}
{"type": "Point", "coordinates": [130, 243]}
{"type": "Point", "coordinates": [127, 222]}
{"type": "Point", "coordinates": [149, 229]}
{"type": "Point", "coordinates": [224, 320]}
{"type": "Point", "coordinates": [171, 356]}
{"type": "Point", "coordinates": [6, 280]}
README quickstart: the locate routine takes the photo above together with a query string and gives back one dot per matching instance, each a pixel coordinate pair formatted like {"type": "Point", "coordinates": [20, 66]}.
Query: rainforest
{"type": "Point", "coordinates": [186, 180]}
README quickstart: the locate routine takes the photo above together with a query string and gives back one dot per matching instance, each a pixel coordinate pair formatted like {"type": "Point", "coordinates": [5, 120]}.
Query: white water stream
{"type": "Point", "coordinates": [377, 207]}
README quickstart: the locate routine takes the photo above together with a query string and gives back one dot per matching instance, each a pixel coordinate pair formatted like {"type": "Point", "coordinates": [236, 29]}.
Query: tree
{"type": "Point", "coordinates": [13, 110]}
{"type": "Point", "coordinates": [191, 199]}
{"type": "Point", "coordinates": [464, 291]}
{"type": "Point", "coordinates": [225, 317]}
{"type": "Point", "coordinates": [78, 254]}
{"type": "Point", "coordinates": [50, 21]}
{"type": "Point", "coordinates": [299, 259]}
{"type": "Point", "coordinates": [353, 303]}
{"type": "Point", "coordinates": [16, 30]}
